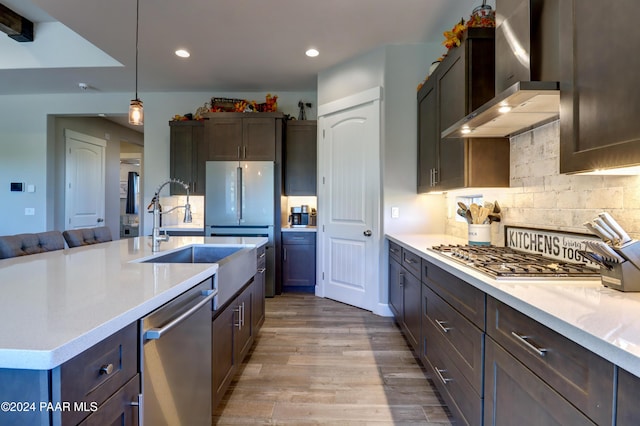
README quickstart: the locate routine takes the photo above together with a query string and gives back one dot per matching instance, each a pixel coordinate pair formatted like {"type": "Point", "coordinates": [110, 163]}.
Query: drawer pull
{"type": "Point", "coordinates": [441, 377]}
{"type": "Point", "coordinates": [261, 255]}
{"type": "Point", "coordinates": [524, 340]}
{"type": "Point", "coordinates": [394, 250]}
{"type": "Point", "coordinates": [106, 369]}
{"type": "Point", "coordinates": [409, 260]}
{"type": "Point", "coordinates": [261, 270]}
{"type": "Point", "coordinates": [442, 327]}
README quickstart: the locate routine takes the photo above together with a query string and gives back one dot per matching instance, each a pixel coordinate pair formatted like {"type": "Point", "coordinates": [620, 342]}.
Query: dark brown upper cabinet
{"type": "Point", "coordinates": [462, 82]}
{"type": "Point", "coordinates": [599, 92]}
{"type": "Point", "coordinates": [243, 136]}
{"type": "Point", "coordinates": [300, 158]}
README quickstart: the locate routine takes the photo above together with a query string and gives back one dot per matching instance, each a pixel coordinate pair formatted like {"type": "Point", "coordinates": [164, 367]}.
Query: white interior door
{"type": "Point", "coordinates": [84, 180]}
{"type": "Point", "coordinates": [349, 200]}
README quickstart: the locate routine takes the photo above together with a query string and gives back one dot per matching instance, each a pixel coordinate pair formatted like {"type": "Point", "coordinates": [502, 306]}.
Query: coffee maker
{"type": "Point", "coordinates": [300, 216]}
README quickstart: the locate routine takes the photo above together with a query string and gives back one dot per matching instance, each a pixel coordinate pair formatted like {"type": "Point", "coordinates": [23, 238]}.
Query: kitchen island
{"type": "Point", "coordinates": [550, 345]}
{"type": "Point", "coordinates": [57, 307]}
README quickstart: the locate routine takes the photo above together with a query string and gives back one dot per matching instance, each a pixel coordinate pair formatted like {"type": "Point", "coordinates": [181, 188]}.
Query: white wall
{"type": "Point", "coordinates": [28, 134]}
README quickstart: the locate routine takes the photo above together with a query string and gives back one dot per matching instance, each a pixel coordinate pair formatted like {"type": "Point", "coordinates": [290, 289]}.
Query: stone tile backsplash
{"type": "Point", "coordinates": [540, 197]}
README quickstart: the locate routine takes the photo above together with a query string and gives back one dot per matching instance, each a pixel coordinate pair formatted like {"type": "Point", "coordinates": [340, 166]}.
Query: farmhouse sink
{"type": "Point", "coordinates": [236, 265]}
{"type": "Point", "coordinates": [197, 254]}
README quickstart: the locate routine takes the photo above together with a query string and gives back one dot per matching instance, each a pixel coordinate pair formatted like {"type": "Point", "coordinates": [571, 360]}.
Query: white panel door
{"type": "Point", "coordinates": [84, 181]}
{"type": "Point", "coordinates": [349, 200]}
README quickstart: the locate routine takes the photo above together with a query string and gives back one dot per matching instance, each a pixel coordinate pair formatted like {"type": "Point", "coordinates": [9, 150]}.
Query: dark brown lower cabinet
{"type": "Point", "coordinates": [404, 296]}
{"type": "Point", "coordinates": [258, 302]}
{"type": "Point", "coordinates": [299, 261]}
{"type": "Point", "coordinates": [118, 409]}
{"type": "Point", "coordinates": [412, 309]}
{"type": "Point", "coordinates": [628, 409]}
{"type": "Point", "coordinates": [233, 334]}
{"type": "Point", "coordinates": [516, 396]}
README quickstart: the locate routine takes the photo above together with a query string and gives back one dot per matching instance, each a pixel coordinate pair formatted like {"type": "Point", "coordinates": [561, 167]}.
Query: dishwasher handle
{"type": "Point", "coordinates": [156, 333]}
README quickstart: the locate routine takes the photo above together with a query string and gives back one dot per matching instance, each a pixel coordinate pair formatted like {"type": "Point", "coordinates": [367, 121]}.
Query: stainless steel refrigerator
{"type": "Point", "coordinates": [239, 201]}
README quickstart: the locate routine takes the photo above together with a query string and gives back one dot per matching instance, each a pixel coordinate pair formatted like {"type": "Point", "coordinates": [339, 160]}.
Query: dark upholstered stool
{"type": "Point", "coordinates": [87, 236]}
{"type": "Point", "coordinates": [24, 244]}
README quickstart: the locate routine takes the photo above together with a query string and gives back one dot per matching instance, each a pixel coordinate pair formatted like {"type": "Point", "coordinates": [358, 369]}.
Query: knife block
{"type": "Point", "coordinates": [624, 276]}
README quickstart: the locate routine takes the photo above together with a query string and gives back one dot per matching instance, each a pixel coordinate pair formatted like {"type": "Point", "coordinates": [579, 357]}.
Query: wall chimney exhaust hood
{"type": "Point", "coordinates": [520, 108]}
{"type": "Point", "coordinates": [527, 73]}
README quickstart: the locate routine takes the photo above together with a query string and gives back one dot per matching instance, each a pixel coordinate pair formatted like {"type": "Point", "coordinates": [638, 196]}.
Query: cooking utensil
{"type": "Point", "coordinates": [599, 231]}
{"type": "Point", "coordinates": [482, 215]}
{"type": "Point", "coordinates": [496, 207]}
{"type": "Point", "coordinates": [598, 222]}
{"type": "Point", "coordinates": [493, 217]}
{"type": "Point", "coordinates": [462, 213]}
{"type": "Point", "coordinates": [607, 252]}
{"type": "Point", "coordinates": [475, 211]}
{"type": "Point", "coordinates": [489, 205]}
{"type": "Point", "coordinates": [595, 258]}
{"type": "Point", "coordinates": [609, 220]}
{"type": "Point", "coordinates": [469, 217]}
{"type": "Point", "coordinates": [462, 205]}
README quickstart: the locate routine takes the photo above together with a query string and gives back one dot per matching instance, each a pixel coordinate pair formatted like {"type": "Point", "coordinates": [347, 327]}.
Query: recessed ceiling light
{"type": "Point", "coordinates": [183, 53]}
{"type": "Point", "coordinates": [312, 53]}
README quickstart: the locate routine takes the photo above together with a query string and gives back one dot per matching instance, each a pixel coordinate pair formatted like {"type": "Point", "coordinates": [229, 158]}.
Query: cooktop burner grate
{"type": "Point", "coordinates": [507, 263]}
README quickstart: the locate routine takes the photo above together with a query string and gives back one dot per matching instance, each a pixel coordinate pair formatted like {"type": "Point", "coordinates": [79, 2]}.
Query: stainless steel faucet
{"type": "Point", "coordinates": [156, 238]}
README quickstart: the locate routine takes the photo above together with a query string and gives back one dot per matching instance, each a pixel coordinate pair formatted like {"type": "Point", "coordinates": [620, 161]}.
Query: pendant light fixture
{"type": "Point", "coordinates": [136, 112]}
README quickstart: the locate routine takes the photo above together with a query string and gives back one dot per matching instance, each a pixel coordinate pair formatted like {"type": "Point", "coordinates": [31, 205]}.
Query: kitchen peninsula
{"type": "Point", "coordinates": [56, 306]}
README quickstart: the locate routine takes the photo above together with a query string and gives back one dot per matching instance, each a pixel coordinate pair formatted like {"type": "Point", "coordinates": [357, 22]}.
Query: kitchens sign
{"type": "Point", "coordinates": [559, 245]}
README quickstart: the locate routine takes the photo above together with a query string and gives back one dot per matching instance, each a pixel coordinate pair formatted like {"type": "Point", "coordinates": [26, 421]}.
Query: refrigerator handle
{"type": "Point", "coordinates": [239, 199]}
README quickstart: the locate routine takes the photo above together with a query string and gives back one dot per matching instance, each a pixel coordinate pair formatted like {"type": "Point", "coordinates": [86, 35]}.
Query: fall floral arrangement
{"type": "Point", "coordinates": [231, 105]}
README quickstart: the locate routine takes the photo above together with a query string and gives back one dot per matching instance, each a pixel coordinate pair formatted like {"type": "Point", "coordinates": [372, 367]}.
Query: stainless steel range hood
{"type": "Point", "coordinates": [527, 61]}
{"type": "Point", "coordinates": [520, 108]}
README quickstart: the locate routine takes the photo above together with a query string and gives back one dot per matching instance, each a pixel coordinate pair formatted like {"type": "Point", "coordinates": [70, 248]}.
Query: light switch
{"type": "Point", "coordinates": [395, 212]}
{"type": "Point", "coordinates": [29, 211]}
{"type": "Point", "coordinates": [31, 188]}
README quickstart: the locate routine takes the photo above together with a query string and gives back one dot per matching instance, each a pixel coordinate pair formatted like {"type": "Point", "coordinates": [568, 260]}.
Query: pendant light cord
{"type": "Point", "coordinates": [137, 24]}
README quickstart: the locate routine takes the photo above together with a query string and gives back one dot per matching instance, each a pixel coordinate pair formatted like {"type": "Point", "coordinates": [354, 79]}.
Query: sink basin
{"type": "Point", "coordinates": [196, 254]}
{"type": "Point", "coordinates": [236, 265]}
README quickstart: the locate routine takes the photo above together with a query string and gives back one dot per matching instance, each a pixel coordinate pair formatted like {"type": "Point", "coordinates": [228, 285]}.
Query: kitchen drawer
{"type": "Point", "coordinates": [298, 238]}
{"type": "Point", "coordinates": [579, 375]}
{"type": "Point", "coordinates": [395, 251]}
{"type": "Point", "coordinates": [516, 396]}
{"type": "Point", "coordinates": [461, 397]}
{"type": "Point", "coordinates": [465, 338]}
{"type": "Point", "coordinates": [411, 262]}
{"type": "Point", "coordinates": [118, 409]}
{"type": "Point", "coordinates": [95, 374]}
{"type": "Point", "coordinates": [465, 298]}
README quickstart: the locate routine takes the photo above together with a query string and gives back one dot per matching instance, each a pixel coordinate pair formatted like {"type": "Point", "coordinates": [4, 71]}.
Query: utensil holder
{"type": "Point", "coordinates": [480, 235]}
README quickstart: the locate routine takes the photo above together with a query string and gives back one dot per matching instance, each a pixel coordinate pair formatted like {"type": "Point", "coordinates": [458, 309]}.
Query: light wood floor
{"type": "Point", "coordinates": [317, 361]}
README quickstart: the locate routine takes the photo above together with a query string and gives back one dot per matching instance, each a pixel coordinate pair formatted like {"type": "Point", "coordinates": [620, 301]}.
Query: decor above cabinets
{"type": "Point", "coordinates": [599, 125]}
{"type": "Point", "coordinates": [461, 83]}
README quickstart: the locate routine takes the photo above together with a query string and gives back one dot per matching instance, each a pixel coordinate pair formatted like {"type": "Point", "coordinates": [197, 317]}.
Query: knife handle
{"type": "Point", "coordinates": [609, 220]}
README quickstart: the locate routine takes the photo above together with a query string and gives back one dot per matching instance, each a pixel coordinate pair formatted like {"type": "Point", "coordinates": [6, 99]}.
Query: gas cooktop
{"type": "Point", "coordinates": [507, 263]}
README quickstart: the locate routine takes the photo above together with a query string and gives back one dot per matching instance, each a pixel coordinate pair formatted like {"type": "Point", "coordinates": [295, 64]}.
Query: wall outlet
{"type": "Point", "coordinates": [395, 212]}
{"type": "Point", "coordinates": [29, 211]}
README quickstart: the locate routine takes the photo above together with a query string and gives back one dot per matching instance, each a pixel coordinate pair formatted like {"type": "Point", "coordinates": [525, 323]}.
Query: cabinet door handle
{"type": "Point", "coordinates": [239, 311]}
{"type": "Point", "coordinates": [442, 327]}
{"type": "Point", "coordinates": [106, 369]}
{"type": "Point", "coordinates": [401, 280]}
{"type": "Point", "coordinates": [524, 340]}
{"type": "Point", "coordinates": [242, 320]}
{"type": "Point", "coordinates": [439, 372]}
{"type": "Point", "coordinates": [139, 404]}
{"type": "Point", "coordinates": [244, 152]}
{"type": "Point", "coordinates": [284, 251]}
{"type": "Point", "coordinates": [262, 270]}
{"type": "Point", "coordinates": [435, 177]}
{"type": "Point", "coordinates": [239, 152]}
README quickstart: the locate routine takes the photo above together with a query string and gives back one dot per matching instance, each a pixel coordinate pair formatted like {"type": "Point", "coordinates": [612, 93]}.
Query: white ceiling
{"type": "Point", "coordinates": [236, 45]}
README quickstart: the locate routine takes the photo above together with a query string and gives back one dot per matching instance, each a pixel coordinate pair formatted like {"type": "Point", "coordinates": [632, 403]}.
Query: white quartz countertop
{"type": "Point", "coordinates": [603, 320]}
{"type": "Point", "coordinates": [299, 229]}
{"type": "Point", "coordinates": [55, 305]}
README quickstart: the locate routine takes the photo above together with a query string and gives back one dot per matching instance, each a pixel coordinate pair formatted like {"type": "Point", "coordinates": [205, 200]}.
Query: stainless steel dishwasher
{"type": "Point", "coordinates": [176, 360]}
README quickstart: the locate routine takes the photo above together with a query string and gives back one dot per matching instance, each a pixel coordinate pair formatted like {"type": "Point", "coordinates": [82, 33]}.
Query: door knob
{"type": "Point", "coordinates": [367, 233]}
{"type": "Point", "coordinates": [99, 220]}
